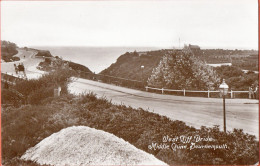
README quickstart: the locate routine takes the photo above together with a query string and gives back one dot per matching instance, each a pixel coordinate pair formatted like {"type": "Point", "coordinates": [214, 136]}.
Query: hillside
{"type": "Point", "coordinates": [8, 50]}
{"type": "Point", "coordinates": [129, 65]}
{"type": "Point", "coordinates": [51, 63]}
{"type": "Point", "coordinates": [245, 59]}
{"type": "Point", "coordinates": [43, 53]}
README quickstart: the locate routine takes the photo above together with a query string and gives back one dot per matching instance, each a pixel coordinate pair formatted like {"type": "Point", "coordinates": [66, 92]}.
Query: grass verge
{"type": "Point", "coordinates": [27, 125]}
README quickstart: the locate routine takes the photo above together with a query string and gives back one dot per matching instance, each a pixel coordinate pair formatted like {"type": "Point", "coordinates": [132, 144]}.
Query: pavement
{"type": "Point", "coordinates": [194, 111]}
{"type": "Point", "coordinates": [27, 57]}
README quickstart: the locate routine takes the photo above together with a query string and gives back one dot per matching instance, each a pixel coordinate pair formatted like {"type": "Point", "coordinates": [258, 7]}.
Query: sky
{"type": "Point", "coordinates": [146, 23]}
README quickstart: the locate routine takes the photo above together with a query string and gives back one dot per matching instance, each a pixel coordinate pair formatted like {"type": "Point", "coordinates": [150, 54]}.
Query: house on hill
{"type": "Point", "coordinates": [194, 49]}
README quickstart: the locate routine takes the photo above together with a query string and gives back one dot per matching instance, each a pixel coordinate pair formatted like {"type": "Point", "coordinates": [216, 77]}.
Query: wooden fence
{"type": "Point", "coordinates": [184, 91]}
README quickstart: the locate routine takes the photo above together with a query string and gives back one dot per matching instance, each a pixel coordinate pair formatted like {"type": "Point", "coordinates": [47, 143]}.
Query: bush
{"type": "Point", "coordinates": [42, 88]}
{"type": "Point", "coordinates": [37, 96]}
{"type": "Point", "coordinates": [43, 53]}
{"type": "Point", "coordinates": [8, 50]}
{"type": "Point", "coordinates": [136, 126]}
{"type": "Point", "coordinates": [10, 97]}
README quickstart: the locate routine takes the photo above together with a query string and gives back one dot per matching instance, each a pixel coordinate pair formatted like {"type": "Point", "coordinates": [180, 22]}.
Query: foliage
{"type": "Point", "coordinates": [43, 53]}
{"type": "Point", "coordinates": [129, 65]}
{"type": "Point", "coordinates": [37, 90]}
{"type": "Point", "coordinates": [236, 78]}
{"type": "Point", "coordinates": [181, 70]}
{"type": "Point", "coordinates": [136, 126]}
{"type": "Point", "coordinates": [78, 67]}
{"type": "Point", "coordinates": [53, 63]}
{"type": "Point", "coordinates": [244, 59]}
{"type": "Point", "coordinates": [8, 50]}
{"type": "Point", "coordinates": [9, 97]}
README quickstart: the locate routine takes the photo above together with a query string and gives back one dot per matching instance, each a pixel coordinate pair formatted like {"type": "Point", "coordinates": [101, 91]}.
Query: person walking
{"type": "Point", "coordinates": [23, 69]}
{"type": "Point", "coordinates": [256, 92]}
{"type": "Point", "coordinates": [16, 69]}
{"type": "Point", "coordinates": [251, 93]}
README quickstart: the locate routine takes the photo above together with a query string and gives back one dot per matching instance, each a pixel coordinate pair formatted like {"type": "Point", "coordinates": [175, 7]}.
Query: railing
{"type": "Point", "coordinates": [9, 79]}
{"type": "Point", "coordinates": [130, 83]}
{"type": "Point", "coordinates": [184, 91]}
{"type": "Point", "coordinates": [136, 84]}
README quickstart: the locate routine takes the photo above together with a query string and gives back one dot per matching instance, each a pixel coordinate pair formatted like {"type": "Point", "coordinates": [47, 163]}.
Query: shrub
{"type": "Point", "coordinates": [37, 96]}
{"type": "Point", "coordinates": [136, 126]}
{"type": "Point", "coordinates": [42, 88]}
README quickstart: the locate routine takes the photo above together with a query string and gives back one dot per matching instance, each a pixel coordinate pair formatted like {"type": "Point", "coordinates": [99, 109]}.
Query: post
{"type": "Point", "coordinates": [146, 88]}
{"type": "Point", "coordinates": [183, 92]}
{"type": "Point", "coordinates": [142, 68]}
{"type": "Point", "coordinates": [231, 93]}
{"type": "Point", "coordinates": [162, 91]}
{"type": "Point", "coordinates": [59, 90]}
{"type": "Point", "coordinates": [208, 93]}
{"type": "Point", "coordinates": [143, 77]}
{"type": "Point", "coordinates": [224, 113]}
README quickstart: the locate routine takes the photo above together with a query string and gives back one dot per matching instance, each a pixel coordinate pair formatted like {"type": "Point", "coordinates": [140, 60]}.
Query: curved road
{"type": "Point", "coordinates": [27, 57]}
{"type": "Point", "coordinates": [194, 111]}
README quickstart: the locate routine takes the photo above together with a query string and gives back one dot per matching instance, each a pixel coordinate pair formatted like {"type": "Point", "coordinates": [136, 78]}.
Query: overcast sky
{"type": "Point", "coordinates": [207, 23]}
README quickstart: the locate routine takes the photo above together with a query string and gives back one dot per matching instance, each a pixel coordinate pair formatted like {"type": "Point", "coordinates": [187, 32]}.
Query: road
{"type": "Point", "coordinates": [194, 111]}
{"type": "Point", "coordinates": [27, 57]}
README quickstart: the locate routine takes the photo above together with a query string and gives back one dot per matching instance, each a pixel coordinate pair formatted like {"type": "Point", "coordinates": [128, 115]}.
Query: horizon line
{"type": "Point", "coordinates": [159, 47]}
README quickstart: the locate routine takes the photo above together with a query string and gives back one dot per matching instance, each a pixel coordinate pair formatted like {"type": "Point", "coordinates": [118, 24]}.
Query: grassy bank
{"type": "Point", "coordinates": [24, 126]}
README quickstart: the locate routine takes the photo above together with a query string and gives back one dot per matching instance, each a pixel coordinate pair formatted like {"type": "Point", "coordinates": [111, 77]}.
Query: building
{"type": "Point", "coordinates": [194, 47]}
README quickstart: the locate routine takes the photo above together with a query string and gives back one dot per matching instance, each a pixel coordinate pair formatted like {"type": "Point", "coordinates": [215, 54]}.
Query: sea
{"type": "Point", "coordinates": [95, 58]}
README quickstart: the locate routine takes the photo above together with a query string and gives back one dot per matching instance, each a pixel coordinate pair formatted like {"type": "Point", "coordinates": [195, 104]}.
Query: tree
{"type": "Point", "coordinates": [181, 70]}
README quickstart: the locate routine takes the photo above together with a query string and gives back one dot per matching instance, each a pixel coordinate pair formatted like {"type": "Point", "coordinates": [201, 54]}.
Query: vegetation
{"type": "Point", "coordinates": [43, 53]}
{"type": "Point", "coordinates": [78, 67]}
{"type": "Point", "coordinates": [26, 126]}
{"type": "Point", "coordinates": [47, 114]}
{"type": "Point", "coordinates": [199, 76]}
{"type": "Point", "coordinates": [129, 65]}
{"type": "Point", "coordinates": [247, 63]}
{"type": "Point", "coordinates": [35, 114]}
{"type": "Point", "coordinates": [50, 64]}
{"type": "Point", "coordinates": [244, 59]}
{"type": "Point", "coordinates": [35, 91]}
{"type": "Point", "coordinates": [236, 78]}
{"type": "Point", "coordinates": [8, 50]}
{"type": "Point", "coordinates": [181, 70]}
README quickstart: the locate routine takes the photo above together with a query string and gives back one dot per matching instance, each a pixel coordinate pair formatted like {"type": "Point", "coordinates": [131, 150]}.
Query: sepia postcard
{"type": "Point", "coordinates": [128, 82]}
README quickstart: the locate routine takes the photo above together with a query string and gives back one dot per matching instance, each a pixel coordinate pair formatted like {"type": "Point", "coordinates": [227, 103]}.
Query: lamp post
{"type": "Point", "coordinates": [142, 68]}
{"type": "Point", "coordinates": [223, 88]}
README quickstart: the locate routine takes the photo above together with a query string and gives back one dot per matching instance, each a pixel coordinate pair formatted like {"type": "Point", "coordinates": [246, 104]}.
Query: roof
{"type": "Point", "coordinates": [194, 46]}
